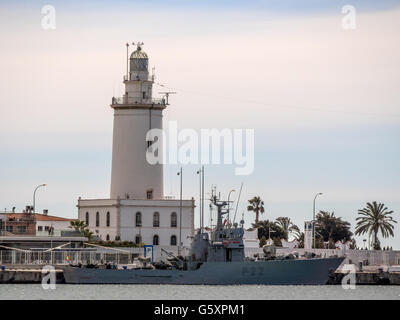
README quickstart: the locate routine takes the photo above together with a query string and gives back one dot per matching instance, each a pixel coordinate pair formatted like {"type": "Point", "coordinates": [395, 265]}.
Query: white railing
{"type": "Point", "coordinates": [133, 101]}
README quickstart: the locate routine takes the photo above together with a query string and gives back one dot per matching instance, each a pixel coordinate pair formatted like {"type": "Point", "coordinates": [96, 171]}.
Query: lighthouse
{"type": "Point", "coordinates": [137, 210]}
{"type": "Point", "coordinates": [135, 113]}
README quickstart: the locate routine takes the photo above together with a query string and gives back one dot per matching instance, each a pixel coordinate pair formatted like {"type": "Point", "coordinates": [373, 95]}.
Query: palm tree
{"type": "Point", "coordinates": [256, 205]}
{"type": "Point", "coordinates": [374, 218]}
{"type": "Point", "coordinates": [78, 225]}
{"type": "Point", "coordinates": [332, 229]}
{"type": "Point", "coordinates": [88, 234]}
{"type": "Point", "coordinates": [287, 226]}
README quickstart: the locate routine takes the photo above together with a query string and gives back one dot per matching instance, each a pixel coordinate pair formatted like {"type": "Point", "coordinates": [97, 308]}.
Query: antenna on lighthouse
{"type": "Point", "coordinates": [127, 60]}
{"type": "Point", "coordinates": [166, 95]}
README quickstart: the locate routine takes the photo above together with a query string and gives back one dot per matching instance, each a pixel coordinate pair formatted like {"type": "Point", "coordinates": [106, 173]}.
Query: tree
{"type": "Point", "coordinates": [300, 239]}
{"type": "Point", "coordinates": [375, 218]}
{"type": "Point", "coordinates": [256, 205]}
{"type": "Point", "coordinates": [269, 229]}
{"type": "Point", "coordinates": [78, 225]}
{"type": "Point", "coordinates": [331, 229]}
{"type": "Point", "coordinates": [88, 234]}
{"type": "Point", "coordinates": [288, 227]}
{"type": "Point", "coordinates": [263, 241]}
{"type": "Point", "coordinates": [82, 227]}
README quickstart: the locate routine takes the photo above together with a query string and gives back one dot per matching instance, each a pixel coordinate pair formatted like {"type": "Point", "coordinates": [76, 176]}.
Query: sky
{"type": "Point", "coordinates": [323, 100]}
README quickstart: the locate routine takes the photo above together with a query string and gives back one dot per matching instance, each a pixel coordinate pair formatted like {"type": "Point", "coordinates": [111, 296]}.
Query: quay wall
{"type": "Point", "coordinates": [374, 257]}
{"type": "Point", "coordinates": [123, 255]}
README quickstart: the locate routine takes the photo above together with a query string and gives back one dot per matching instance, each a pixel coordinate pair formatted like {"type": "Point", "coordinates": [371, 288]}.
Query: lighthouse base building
{"type": "Point", "coordinates": [137, 209]}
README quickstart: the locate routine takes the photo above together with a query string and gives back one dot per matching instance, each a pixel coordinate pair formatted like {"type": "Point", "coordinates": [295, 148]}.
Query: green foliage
{"type": "Point", "coordinates": [256, 205]}
{"type": "Point", "coordinates": [331, 229]}
{"type": "Point", "coordinates": [88, 234]}
{"type": "Point", "coordinates": [300, 239]}
{"type": "Point", "coordinates": [78, 225]}
{"type": "Point", "coordinates": [119, 244]}
{"type": "Point", "coordinates": [82, 228]}
{"type": "Point", "coordinates": [375, 218]}
{"type": "Point", "coordinates": [263, 241]}
{"type": "Point", "coordinates": [268, 229]}
{"type": "Point", "coordinates": [288, 227]}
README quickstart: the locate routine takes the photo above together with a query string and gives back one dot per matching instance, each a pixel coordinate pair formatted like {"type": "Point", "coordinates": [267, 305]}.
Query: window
{"type": "Point", "coordinates": [174, 220]}
{"type": "Point", "coordinates": [21, 229]}
{"type": "Point", "coordinates": [173, 240]}
{"type": "Point", "coordinates": [87, 218]}
{"type": "Point", "coordinates": [138, 239]}
{"type": "Point", "coordinates": [40, 228]}
{"type": "Point", "coordinates": [138, 219]}
{"type": "Point", "coordinates": [144, 94]}
{"type": "Point", "coordinates": [156, 219]}
{"type": "Point", "coordinates": [97, 219]}
{"type": "Point", "coordinates": [108, 237]}
{"type": "Point", "coordinates": [149, 194]}
{"type": "Point", "coordinates": [108, 219]}
{"type": "Point", "coordinates": [46, 228]}
{"type": "Point", "coordinates": [10, 229]}
{"type": "Point", "coordinates": [155, 240]}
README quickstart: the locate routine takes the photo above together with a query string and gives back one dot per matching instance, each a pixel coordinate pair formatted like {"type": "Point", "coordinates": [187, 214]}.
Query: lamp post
{"type": "Point", "coordinates": [200, 203]}
{"type": "Point", "coordinates": [34, 195]}
{"type": "Point", "coordinates": [200, 172]}
{"type": "Point", "coordinates": [318, 194]}
{"type": "Point", "coordinates": [233, 190]}
{"type": "Point", "coordinates": [180, 210]}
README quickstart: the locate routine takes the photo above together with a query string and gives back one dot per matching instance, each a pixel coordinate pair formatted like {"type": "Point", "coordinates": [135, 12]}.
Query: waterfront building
{"type": "Point", "coordinates": [137, 209]}
{"type": "Point", "coordinates": [27, 223]}
{"type": "Point", "coordinates": [51, 225]}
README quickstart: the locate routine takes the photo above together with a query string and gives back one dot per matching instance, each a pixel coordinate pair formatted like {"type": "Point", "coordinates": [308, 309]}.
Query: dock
{"type": "Point", "coordinates": [368, 276]}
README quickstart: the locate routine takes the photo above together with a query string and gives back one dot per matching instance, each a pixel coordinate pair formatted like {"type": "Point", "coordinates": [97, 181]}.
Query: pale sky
{"type": "Point", "coordinates": [323, 101]}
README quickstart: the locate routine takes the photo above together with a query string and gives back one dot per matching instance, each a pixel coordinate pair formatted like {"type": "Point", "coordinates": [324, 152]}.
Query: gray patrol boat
{"type": "Point", "coordinates": [218, 259]}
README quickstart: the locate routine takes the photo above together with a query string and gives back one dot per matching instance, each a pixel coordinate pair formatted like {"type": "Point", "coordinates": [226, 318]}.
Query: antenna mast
{"type": "Point", "coordinates": [166, 94]}
{"type": "Point", "coordinates": [127, 60]}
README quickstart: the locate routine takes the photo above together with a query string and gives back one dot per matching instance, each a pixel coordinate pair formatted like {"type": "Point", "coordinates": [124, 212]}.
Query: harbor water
{"type": "Point", "coordinates": [184, 292]}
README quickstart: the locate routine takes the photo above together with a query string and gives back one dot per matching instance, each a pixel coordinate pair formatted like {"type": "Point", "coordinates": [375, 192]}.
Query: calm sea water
{"type": "Point", "coordinates": [174, 292]}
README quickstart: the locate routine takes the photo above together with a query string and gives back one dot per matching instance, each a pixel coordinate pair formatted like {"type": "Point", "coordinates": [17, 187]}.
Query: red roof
{"type": "Point", "coordinates": [39, 217]}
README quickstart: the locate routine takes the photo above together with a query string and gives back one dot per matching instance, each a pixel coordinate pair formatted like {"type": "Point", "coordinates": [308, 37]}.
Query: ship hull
{"type": "Point", "coordinates": [273, 272]}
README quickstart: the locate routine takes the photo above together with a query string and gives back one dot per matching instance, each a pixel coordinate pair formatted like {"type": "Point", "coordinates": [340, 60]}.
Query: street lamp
{"type": "Point", "coordinates": [233, 190]}
{"type": "Point", "coordinates": [34, 195]}
{"type": "Point", "coordinates": [318, 194]}
{"type": "Point", "coordinates": [180, 210]}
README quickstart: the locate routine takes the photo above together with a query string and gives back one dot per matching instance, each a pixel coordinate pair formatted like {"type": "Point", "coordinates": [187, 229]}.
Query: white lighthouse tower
{"type": "Point", "coordinates": [137, 112]}
{"type": "Point", "coordinates": [137, 210]}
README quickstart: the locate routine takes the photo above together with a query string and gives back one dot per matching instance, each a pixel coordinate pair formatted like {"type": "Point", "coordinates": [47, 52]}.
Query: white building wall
{"type": "Point", "coordinates": [57, 225]}
{"type": "Point", "coordinates": [164, 231]}
{"type": "Point", "coordinates": [127, 229]}
{"type": "Point", "coordinates": [102, 206]}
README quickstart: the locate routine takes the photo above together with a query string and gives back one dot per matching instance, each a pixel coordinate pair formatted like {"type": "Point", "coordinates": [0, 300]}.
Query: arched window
{"type": "Point", "coordinates": [156, 219]}
{"type": "Point", "coordinates": [156, 240]}
{"type": "Point", "coordinates": [138, 219]}
{"type": "Point", "coordinates": [174, 220]}
{"type": "Point", "coordinates": [108, 219]}
{"type": "Point", "coordinates": [108, 237]}
{"type": "Point", "coordinates": [87, 218]}
{"type": "Point", "coordinates": [173, 240]}
{"type": "Point", "coordinates": [138, 239]}
{"type": "Point", "coordinates": [97, 219]}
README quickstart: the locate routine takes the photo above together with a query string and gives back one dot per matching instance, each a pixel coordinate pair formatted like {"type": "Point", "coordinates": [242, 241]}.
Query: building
{"type": "Point", "coordinates": [51, 225]}
{"type": "Point", "coordinates": [137, 209]}
{"type": "Point", "coordinates": [27, 223]}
